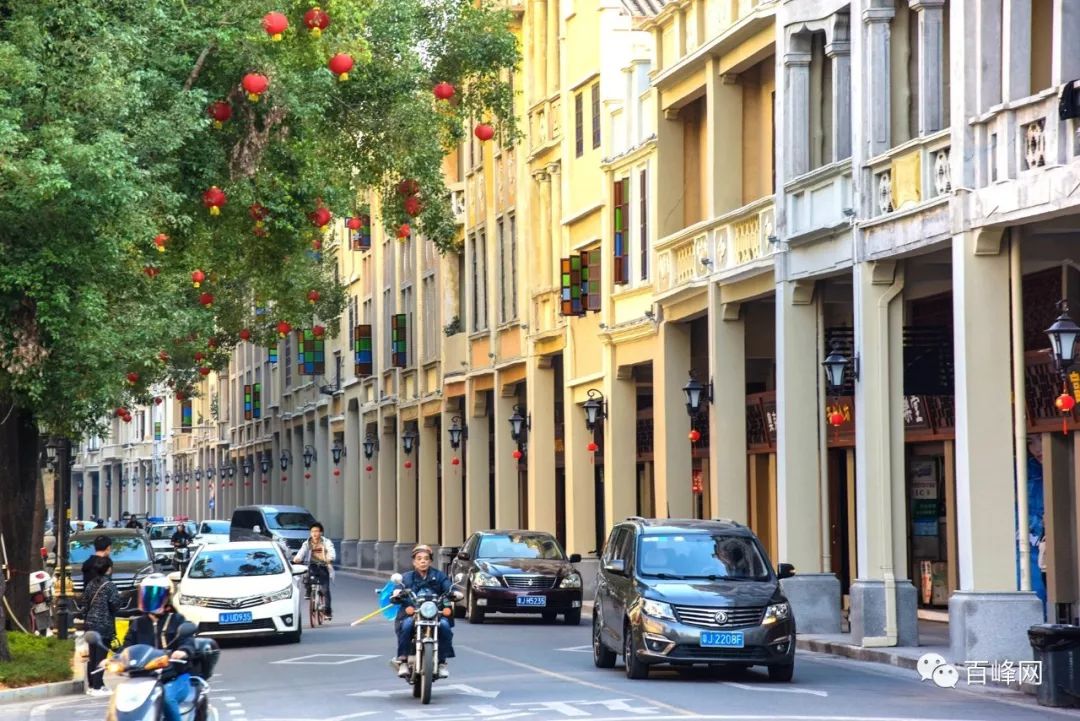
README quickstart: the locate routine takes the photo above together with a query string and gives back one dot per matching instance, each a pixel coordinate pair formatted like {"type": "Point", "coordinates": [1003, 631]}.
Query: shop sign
{"type": "Point", "coordinates": [915, 415]}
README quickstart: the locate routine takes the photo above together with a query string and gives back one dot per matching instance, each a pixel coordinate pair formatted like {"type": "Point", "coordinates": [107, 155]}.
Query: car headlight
{"type": "Point", "coordinates": [279, 595]}
{"type": "Point", "coordinates": [428, 609]}
{"type": "Point", "coordinates": [481, 579]}
{"type": "Point", "coordinates": [572, 580]}
{"type": "Point", "coordinates": [193, 600]}
{"type": "Point", "coordinates": [777, 612]}
{"type": "Point", "coordinates": [657, 609]}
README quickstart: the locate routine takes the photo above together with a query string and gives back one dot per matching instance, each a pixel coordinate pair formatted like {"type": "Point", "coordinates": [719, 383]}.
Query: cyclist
{"type": "Point", "coordinates": [317, 554]}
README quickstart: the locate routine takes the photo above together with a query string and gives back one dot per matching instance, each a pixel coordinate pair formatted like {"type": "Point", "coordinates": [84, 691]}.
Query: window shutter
{"type": "Point", "coordinates": [620, 223]}
{"type": "Point", "coordinates": [256, 400]}
{"type": "Point", "coordinates": [579, 125]}
{"type": "Point", "coordinates": [247, 402]}
{"type": "Point", "coordinates": [399, 340]}
{"type": "Point", "coordinates": [643, 222]}
{"type": "Point", "coordinates": [595, 90]}
{"type": "Point", "coordinates": [363, 352]}
{"type": "Point", "coordinates": [311, 358]}
{"type": "Point", "coordinates": [590, 261]}
{"type": "Point", "coordinates": [571, 286]}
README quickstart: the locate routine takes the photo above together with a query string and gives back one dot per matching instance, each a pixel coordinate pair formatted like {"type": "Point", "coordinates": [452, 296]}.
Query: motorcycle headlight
{"type": "Point", "coordinates": [657, 609]}
{"type": "Point", "coordinates": [429, 609]}
{"type": "Point", "coordinates": [280, 595]}
{"type": "Point", "coordinates": [777, 612]}
{"type": "Point", "coordinates": [482, 579]}
{"type": "Point", "coordinates": [572, 580]}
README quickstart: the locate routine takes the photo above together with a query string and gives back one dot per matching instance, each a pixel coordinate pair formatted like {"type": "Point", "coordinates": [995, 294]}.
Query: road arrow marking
{"type": "Point", "coordinates": [460, 688]}
{"type": "Point", "coordinates": [767, 689]}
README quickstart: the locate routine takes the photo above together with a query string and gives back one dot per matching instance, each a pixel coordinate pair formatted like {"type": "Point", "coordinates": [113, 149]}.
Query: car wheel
{"type": "Point", "coordinates": [572, 618]}
{"type": "Point", "coordinates": [476, 615]}
{"type": "Point", "coordinates": [635, 667]}
{"type": "Point", "coordinates": [549, 616]}
{"type": "Point", "coordinates": [782, 673]}
{"type": "Point", "coordinates": [602, 656]}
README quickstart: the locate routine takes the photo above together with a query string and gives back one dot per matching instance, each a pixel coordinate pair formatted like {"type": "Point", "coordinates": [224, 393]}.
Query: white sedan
{"type": "Point", "coordinates": [241, 589]}
{"type": "Point", "coordinates": [211, 532]}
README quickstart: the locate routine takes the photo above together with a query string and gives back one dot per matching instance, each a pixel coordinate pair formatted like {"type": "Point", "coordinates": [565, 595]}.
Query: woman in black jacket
{"type": "Point", "coordinates": [102, 602]}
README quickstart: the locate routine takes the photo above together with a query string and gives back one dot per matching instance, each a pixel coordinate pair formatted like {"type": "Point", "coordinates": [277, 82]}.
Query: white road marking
{"type": "Point", "coordinates": [461, 688]}
{"type": "Point", "coordinates": [333, 659]}
{"type": "Point", "coordinates": [226, 698]}
{"type": "Point", "coordinates": [232, 704]}
{"type": "Point", "coordinates": [777, 689]}
{"type": "Point", "coordinates": [576, 649]}
{"type": "Point", "coordinates": [345, 717]}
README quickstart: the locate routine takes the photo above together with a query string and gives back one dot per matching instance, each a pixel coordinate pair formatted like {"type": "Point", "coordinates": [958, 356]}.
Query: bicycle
{"type": "Point", "coordinates": [316, 602]}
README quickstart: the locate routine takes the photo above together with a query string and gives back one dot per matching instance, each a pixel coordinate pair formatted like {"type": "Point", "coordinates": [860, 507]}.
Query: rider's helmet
{"type": "Point", "coordinates": [422, 548]}
{"type": "Point", "coordinates": [154, 593]}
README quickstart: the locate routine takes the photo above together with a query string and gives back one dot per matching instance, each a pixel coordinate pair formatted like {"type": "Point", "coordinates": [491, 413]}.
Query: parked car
{"type": "Point", "coordinates": [686, 592]}
{"type": "Point", "coordinates": [211, 532]}
{"type": "Point", "coordinates": [241, 589]}
{"type": "Point", "coordinates": [132, 557]}
{"type": "Point", "coordinates": [517, 572]}
{"type": "Point", "coordinates": [161, 536]}
{"type": "Point", "coordinates": [288, 525]}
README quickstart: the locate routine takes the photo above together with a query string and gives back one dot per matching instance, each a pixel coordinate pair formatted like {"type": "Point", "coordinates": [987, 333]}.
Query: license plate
{"type": "Point", "coordinates": [532, 600]}
{"type": "Point", "coordinates": [226, 619]}
{"type": "Point", "coordinates": [722, 639]}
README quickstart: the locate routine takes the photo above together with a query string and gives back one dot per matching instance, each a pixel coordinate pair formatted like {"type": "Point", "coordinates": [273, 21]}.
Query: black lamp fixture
{"type": "Point", "coordinates": [520, 424]}
{"type": "Point", "coordinates": [595, 408]}
{"type": "Point", "coordinates": [409, 440]}
{"type": "Point", "coordinates": [458, 432]}
{"type": "Point", "coordinates": [187, 476]}
{"type": "Point", "coordinates": [210, 472]}
{"type": "Point", "coordinates": [336, 452]}
{"type": "Point", "coordinates": [168, 477]}
{"type": "Point", "coordinates": [232, 469]}
{"type": "Point", "coordinates": [198, 474]}
{"type": "Point", "coordinates": [247, 466]}
{"type": "Point", "coordinates": [50, 449]}
{"type": "Point", "coordinates": [223, 471]}
{"type": "Point", "coordinates": [1063, 334]}
{"type": "Point", "coordinates": [695, 393]}
{"type": "Point", "coordinates": [284, 459]}
{"type": "Point", "coordinates": [371, 445]}
{"type": "Point", "coordinates": [309, 455]}
{"type": "Point", "coordinates": [834, 364]}
{"type": "Point", "coordinates": [264, 463]}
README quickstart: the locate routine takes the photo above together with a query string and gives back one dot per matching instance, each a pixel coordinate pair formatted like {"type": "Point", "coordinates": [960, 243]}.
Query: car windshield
{"type": "Point", "coordinates": [228, 563]}
{"type": "Point", "coordinates": [218, 527]}
{"type": "Point", "coordinates": [124, 549]}
{"type": "Point", "coordinates": [699, 555]}
{"type": "Point", "coordinates": [290, 520]}
{"type": "Point", "coordinates": [166, 530]}
{"type": "Point", "coordinates": [520, 545]}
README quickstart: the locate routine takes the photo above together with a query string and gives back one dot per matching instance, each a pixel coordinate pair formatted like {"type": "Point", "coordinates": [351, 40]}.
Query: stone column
{"type": "Point", "coordinates": [1065, 63]}
{"type": "Point", "coordinates": [838, 50]}
{"type": "Point", "coordinates": [1016, 49]}
{"type": "Point", "coordinates": [453, 518]}
{"type": "Point", "coordinates": [988, 617]}
{"type": "Point", "coordinates": [273, 474]}
{"type": "Point", "coordinates": [543, 223]}
{"type": "Point", "coordinates": [877, 19]}
{"type": "Point", "coordinates": [428, 485]}
{"type": "Point", "coordinates": [386, 470]}
{"type": "Point", "coordinates": [506, 468]}
{"type": "Point", "coordinates": [352, 470]}
{"type": "Point", "coordinates": [551, 50]}
{"type": "Point", "coordinates": [538, 56]}
{"type": "Point", "coordinates": [797, 103]}
{"type": "Point", "coordinates": [369, 493]}
{"type": "Point", "coordinates": [931, 72]}
{"type": "Point", "coordinates": [882, 588]}
{"type": "Point", "coordinates": [620, 443]}
{"type": "Point", "coordinates": [555, 222]}
{"type": "Point", "coordinates": [727, 421]}
{"type": "Point", "coordinates": [540, 396]}
{"type": "Point", "coordinates": [477, 492]}
{"type": "Point", "coordinates": [580, 471]}
{"type": "Point", "coordinates": [406, 500]}
{"type": "Point", "coordinates": [723, 141]}
{"type": "Point", "coordinates": [671, 425]}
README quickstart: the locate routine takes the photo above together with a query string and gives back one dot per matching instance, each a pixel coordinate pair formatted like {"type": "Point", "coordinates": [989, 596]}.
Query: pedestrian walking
{"type": "Point", "coordinates": [101, 602]}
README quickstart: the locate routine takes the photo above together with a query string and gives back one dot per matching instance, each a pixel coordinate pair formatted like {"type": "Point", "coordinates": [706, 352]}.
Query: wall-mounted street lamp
{"type": "Point", "coordinates": [371, 445]}
{"type": "Point", "coordinates": [232, 469]}
{"type": "Point", "coordinates": [595, 408]}
{"type": "Point", "coordinates": [210, 472]}
{"type": "Point", "coordinates": [247, 466]}
{"type": "Point", "coordinates": [409, 440]}
{"type": "Point", "coordinates": [520, 424]}
{"type": "Point", "coordinates": [458, 432]}
{"type": "Point", "coordinates": [336, 452]}
{"type": "Point", "coordinates": [198, 474]}
{"type": "Point", "coordinates": [264, 463]}
{"type": "Point", "coordinates": [1063, 334]}
{"type": "Point", "coordinates": [835, 364]}
{"type": "Point", "coordinates": [309, 455]}
{"type": "Point", "coordinates": [696, 393]}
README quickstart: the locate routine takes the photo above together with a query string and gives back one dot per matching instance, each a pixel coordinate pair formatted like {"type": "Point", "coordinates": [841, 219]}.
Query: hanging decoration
{"type": "Point", "coordinates": [408, 464]}
{"type": "Point", "coordinates": [413, 206]}
{"type": "Point", "coordinates": [212, 343]}
{"type": "Point", "coordinates": [1065, 404]}
{"type": "Point", "coordinates": [313, 296]}
{"type": "Point", "coordinates": [340, 65]}
{"type": "Point", "coordinates": [151, 271]}
{"type": "Point", "coordinates": [160, 240]}
{"type": "Point", "coordinates": [694, 435]}
{"type": "Point", "coordinates": [207, 299]}
{"type": "Point", "coordinates": [275, 24]}
{"type": "Point", "coordinates": [593, 447]}
{"type": "Point", "coordinates": [213, 199]}
{"type": "Point", "coordinates": [408, 187]}
{"type": "Point", "coordinates": [516, 454]}
{"type": "Point", "coordinates": [133, 377]}
{"type": "Point", "coordinates": [163, 356]}
{"type": "Point", "coordinates": [443, 91]}
{"type": "Point", "coordinates": [220, 111]}
{"type": "Point", "coordinates": [283, 328]}
{"type": "Point", "coordinates": [316, 20]}
{"type": "Point", "coordinates": [404, 231]}
{"type": "Point", "coordinates": [320, 217]}
{"type": "Point", "coordinates": [245, 334]}
{"type": "Point", "coordinates": [197, 277]}
{"type": "Point", "coordinates": [455, 461]}
{"type": "Point", "coordinates": [484, 132]}
{"type": "Point", "coordinates": [318, 331]}
{"type": "Point", "coordinates": [255, 84]}
{"type": "Point", "coordinates": [157, 400]}
{"type": "Point", "coordinates": [199, 356]}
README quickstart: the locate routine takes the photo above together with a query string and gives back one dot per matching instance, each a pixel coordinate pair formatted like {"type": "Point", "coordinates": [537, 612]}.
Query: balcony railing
{"type": "Point", "coordinates": [722, 244]}
{"type": "Point", "coordinates": [911, 174]}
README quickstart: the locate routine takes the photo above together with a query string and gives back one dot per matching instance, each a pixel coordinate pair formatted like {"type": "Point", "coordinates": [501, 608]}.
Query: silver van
{"type": "Point", "coordinates": [289, 525]}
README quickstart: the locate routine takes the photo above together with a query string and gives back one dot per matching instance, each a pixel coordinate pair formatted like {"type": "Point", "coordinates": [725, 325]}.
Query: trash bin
{"type": "Point", "coordinates": [1057, 648]}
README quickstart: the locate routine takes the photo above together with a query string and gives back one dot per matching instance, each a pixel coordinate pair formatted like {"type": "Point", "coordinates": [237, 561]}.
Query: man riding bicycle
{"type": "Point", "coordinates": [317, 554]}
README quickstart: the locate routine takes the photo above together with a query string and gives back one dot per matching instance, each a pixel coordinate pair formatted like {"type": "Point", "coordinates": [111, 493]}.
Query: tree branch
{"type": "Point", "coordinates": [198, 67]}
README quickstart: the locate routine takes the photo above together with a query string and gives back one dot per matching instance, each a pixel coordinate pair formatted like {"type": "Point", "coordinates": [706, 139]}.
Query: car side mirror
{"type": "Point", "coordinates": [161, 559]}
{"type": "Point", "coordinates": [618, 566]}
{"type": "Point", "coordinates": [785, 570]}
{"type": "Point", "coordinates": [463, 556]}
{"type": "Point", "coordinates": [256, 528]}
{"type": "Point", "coordinates": [575, 558]}
{"type": "Point", "coordinates": [175, 576]}
{"type": "Point", "coordinates": [298, 569]}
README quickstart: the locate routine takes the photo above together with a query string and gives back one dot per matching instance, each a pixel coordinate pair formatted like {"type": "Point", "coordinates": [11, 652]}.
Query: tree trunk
{"type": "Point", "coordinates": [19, 481]}
{"type": "Point", "coordinates": [5, 652]}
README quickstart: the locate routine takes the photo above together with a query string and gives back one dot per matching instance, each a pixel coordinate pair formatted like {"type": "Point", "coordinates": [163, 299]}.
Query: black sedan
{"type": "Point", "coordinates": [517, 572]}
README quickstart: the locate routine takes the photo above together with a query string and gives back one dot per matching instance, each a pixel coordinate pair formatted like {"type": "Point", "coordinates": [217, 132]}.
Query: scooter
{"type": "Point", "coordinates": [181, 557]}
{"type": "Point", "coordinates": [41, 585]}
{"type": "Point", "coordinates": [134, 676]}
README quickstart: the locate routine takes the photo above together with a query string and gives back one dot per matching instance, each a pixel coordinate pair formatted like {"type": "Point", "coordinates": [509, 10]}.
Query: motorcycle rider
{"type": "Point", "coordinates": [180, 539]}
{"type": "Point", "coordinates": [317, 554]}
{"type": "Point", "coordinates": [422, 578]}
{"type": "Point", "coordinates": [160, 628]}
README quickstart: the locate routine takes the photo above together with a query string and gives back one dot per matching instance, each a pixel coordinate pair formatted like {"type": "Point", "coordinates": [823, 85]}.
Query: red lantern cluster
{"type": "Point", "coordinates": [255, 84]}
{"type": "Point", "coordinates": [354, 223]}
{"type": "Point", "coordinates": [408, 187]}
{"type": "Point", "coordinates": [197, 277]}
{"type": "Point", "coordinates": [443, 91]}
{"type": "Point", "coordinates": [199, 356]}
{"type": "Point", "coordinates": [160, 240]}
{"type": "Point", "coordinates": [204, 371]}
{"type": "Point", "coordinates": [484, 132]}
{"type": "Point", "coordinates": [275, 24]}
{"type": "Point", "coordinates": [213, 199]}
{"type": "Point", "coordinates": [340, 65]}
{"type": "Point", "coordinates": [316, 20]}
{"type": "Point", "coordinates": [220, 111]}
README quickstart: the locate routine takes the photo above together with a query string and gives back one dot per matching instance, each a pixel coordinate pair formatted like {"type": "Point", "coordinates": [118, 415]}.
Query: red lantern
{"type": "Point", "coordinates": [199, 356]}
{"type": "Point", "coordinates": [484, 132]}
{"type": "Point", "coordinates": [213, 199]}
{"type": "Point", "coordinates": [317, 21]}
{"type": "Point", "coordinates": [313, 296]}
{"type": "Point", "coordinates": [320, 217]}
{"type": "Point", "coordinates": [159, 242]}
{"type": "Point", "coordinates": [126, 418]}
{"type": "Point", "coordinates": [133, 378]}
{"type": "Point", "coordinates": [212, 343]}
{"type": "Point", "coordinates": [207, 299]}
{"type": "Point", "coordinates": [274, 23]}
{"type": "Point", "coordinates": [316, 244]}
{"type": "Point", "coordinates": [163, 357]}
{"type": "Point", "coordinates": [1065, 403]}
{"type": "Point", "coordinates": [408, 464]}
{"type": "Point", "coordinates": [204, 371]}
{"type": "Point", "coordinates": [120, 412]}
{"type": "Point", "coordinates": [443, 91]}
{"type": "Point", "coordinates": [593, 447]}
{"type": "Point", "coordinates": [354, 223]}
{"type": "Point", "coordinates": [340, 65]}
{"type": "Point", "coordinates": [220, 111]}
{"type": "Point", "coordinates": [283, 328]}
{"type": "Point", "coordinates": [404, 231]}
{"type": "Point", "coordinates": [318, 331]}
{"type": "Point", "coordinates": [180, 396]}
{"type": "Point", "coordinates": [157, 400]}
{"type": "Point", "coordinates": [307, 476]}
{"type": "Point", "coordinates": [408, 187]}
{"type": "Point", "coordinates": [255, 85]}
{"type": "Point", "coordinates": [245, 334]}
{"type": "Point", "coordinates": [836, 418]}
{"type": "Point", "coordinates": [413, 206]}
{"type": "Point", "coordinates": [284, 478]}
{"type": "Point", "coordinates": [455, 461]}
{"type": "Point", "coordinates": [516, 454]}
{"type": "Point", "coordinates": [337, 471]}
{"type": "Point", "coordinates": [197, 277]}
{"type": "Point", "coordinates": [151, 271]}
{"type": "Point", "coordinates": [694, 435]}
{"type": "Point", "coordinates": [369, 469]}
{"type": "Point", "coordinates": [258, 213]}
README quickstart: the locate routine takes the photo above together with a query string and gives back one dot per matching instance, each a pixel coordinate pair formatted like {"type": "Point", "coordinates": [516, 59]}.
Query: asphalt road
{"type": "Point", "coordinates": [523, 669]}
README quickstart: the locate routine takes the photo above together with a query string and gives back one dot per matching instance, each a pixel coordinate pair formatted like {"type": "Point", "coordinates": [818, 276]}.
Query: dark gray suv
{"type": "Point", "coordinates": [686, 592]}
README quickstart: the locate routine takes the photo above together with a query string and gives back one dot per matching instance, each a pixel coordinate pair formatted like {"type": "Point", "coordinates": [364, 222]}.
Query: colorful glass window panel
{"type": "Point", "coordinates": [185, 416]}
{"type": "Point", "coordinates": [256, 400]}
{"type": "Point", "coordinates": [363, 351]}
{"type": "Point", "coordinates": [571, 286]}
{"type": "Point", "coordinates": [157, 430]}
{"type": "Point", "coordinates": [399, 339]}
{"type": "Point", "coordinates": [590, 279]}
{"type": "Point", "coordinates": [361, 239]}
{"type": "Point", "coordinates": [271, 353]}
{"type": "Point", "coordinates": [311, 353]}
{"type": "Point", "coordinates": [621, 225]}
{"type": "Point", "coordinates": [247, 402]}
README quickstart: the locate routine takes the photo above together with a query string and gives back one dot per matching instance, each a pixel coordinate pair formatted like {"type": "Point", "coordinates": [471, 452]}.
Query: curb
{"type": "Point", "coordinates": [857, 653]}
{"type": "Point", "coordinates": [40, 691]}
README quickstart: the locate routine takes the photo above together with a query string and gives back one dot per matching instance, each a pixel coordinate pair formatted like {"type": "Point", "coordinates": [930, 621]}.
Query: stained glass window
{"type": "Point", "coordinates": [363, 351]}
{"type": "Point", "coordinates": [247, 402]}
{"type": "Point", "coordinates": [571, 286]}
{"type": "Point", "coordinates": [620, 272]}
{"type": "Point", "coordinates": [157, 430]}
{"type": "Point", "coordinates": [271, 353]}
{"type": "Point", "coordinates": [256, 400]}
{"type": "Point", "coordinates": [399, 340]}
{"type": "Point", "coordinates": [311, 353]}
{"type": "Point", "coordinates": [185, 416]}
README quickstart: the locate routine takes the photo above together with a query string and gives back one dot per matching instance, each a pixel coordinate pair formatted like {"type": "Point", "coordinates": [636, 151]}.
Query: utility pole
{"type": "Point", "coordinates": [62, 514]}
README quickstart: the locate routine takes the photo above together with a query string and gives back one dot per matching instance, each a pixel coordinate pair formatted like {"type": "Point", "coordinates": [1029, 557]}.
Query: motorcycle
{"type": "Point", "coordinates": [181, 557]}
{"type": "Point", "coordinates": [41, 585]}
{"type": "Point", "coordinates": [134, 676]}
{"type": "Point", "coordinates": [426, 608]}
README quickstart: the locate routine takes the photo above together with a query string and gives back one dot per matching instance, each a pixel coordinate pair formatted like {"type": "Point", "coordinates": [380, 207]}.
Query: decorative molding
{"type": "Point", "coordinates": [988, 240]}
{"type": "Point", "coordinates": [883, 272]}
